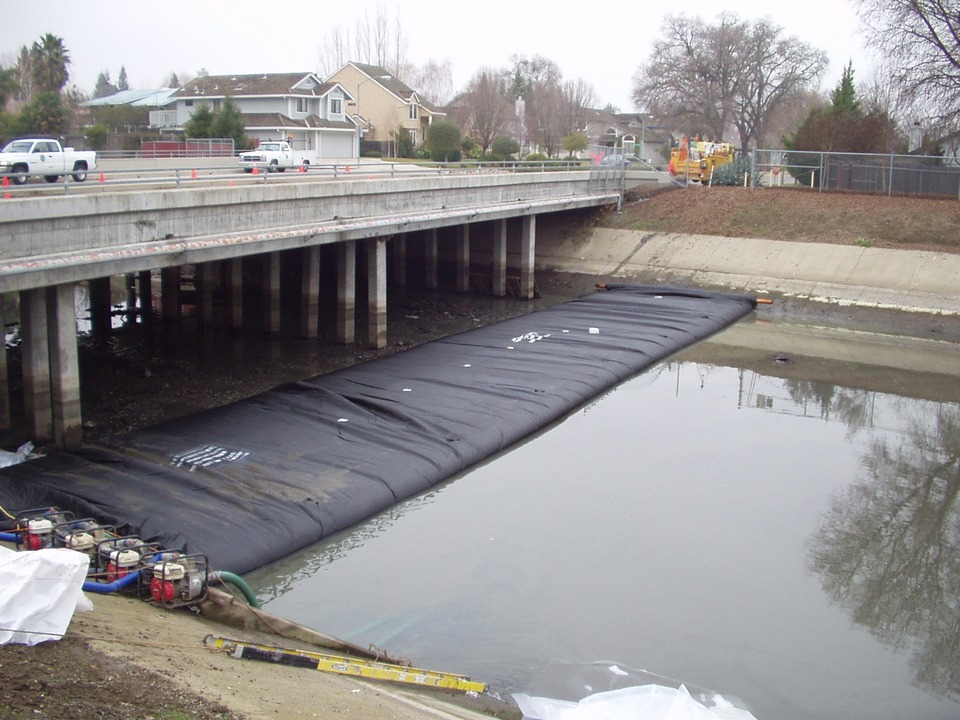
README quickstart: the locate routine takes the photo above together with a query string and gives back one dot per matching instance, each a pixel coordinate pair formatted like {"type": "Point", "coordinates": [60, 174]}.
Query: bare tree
{"type": "Point", "coordinates": [376, 40]}
{"type": "Point", "coordinates": [433, 81]}
{"type": "Point", "coordinates": [581, 97]}
{"type": "Point", "coordinates": [731, 76]}
{"type": "Point", "coordinates": [920, 40]}
{"type": "Point", "coordinates": [486, 109]}
{"type": "Point", "coordinates": [773, 70]}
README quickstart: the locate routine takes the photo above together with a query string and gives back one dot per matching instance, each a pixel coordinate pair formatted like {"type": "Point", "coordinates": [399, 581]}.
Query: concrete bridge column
{"type": "Point", "coordinates": [376, 250]}
{"type": "Point", "coordinates": [37, 403]}
{"type": "Point", "coordinates": [145, 286]}
{"type": "Point", "coordinates": [130, 292]}
{"type": "Point", "coordinates": [205, 280]}
{"type": "Point", "coordinates": [463, 259]}
{"type": "Point", "coordinates": [270, 282]}
{"type": "Point", "coordinates": [310, 292]}
{"type": "Point", "coordinates": [399, 245]}
{"type": "Point", "coordinates": [99, 298]}
{"type": "Point", "coordinates": [170, 294]}
{"type": "Point", "coordinates": [499, 279]}
{"type": "Point", "coordinates": [233, 293]}
{"type": "Point", "coordinates": [528, 243]}
{"type": "Point", "coordinates": [64, 367]}
{"type": "Point", "coordinates": [347, 292]}
{"type": "Point", "coordinates": [5, 417]}
{"type": "Point", "coordinates": [430, 251]}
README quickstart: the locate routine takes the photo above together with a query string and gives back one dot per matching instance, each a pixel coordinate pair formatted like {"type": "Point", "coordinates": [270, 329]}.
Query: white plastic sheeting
{"type": "Point", "coordinates": [39, 592]}
{"type": "Point", "coordinates": [642, 702]}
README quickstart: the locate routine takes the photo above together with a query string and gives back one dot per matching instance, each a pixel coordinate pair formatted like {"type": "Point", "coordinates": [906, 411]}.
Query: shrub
{"type": "Point", "coordinates": [732, 173]}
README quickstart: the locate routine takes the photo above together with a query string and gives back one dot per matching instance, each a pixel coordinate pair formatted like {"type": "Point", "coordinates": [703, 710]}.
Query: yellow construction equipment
{"type": "Point", "coordinates": [369, 669]}
{"type": "Point", "coordinates": [695, 160]}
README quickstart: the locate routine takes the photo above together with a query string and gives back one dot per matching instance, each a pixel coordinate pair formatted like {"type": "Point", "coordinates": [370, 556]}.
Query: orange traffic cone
{"type": "Point", "coordinates": [347, 168]}
{"type": "Point", "coordinates": [102, 178]}
{"type": "Point", "coordinates": [255, 171]}
{"type": "Point", "coordinates": [6, 181]}
{"type": "Point", "coordinates": [193, 174]}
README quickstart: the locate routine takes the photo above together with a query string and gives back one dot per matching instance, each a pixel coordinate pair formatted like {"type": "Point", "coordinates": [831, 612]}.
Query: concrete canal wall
{"type": "Point", "coordinates": [913, 281]}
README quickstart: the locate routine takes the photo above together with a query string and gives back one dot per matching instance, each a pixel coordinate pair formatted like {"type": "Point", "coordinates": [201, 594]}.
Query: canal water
{"type": "Point", "coordinates": [772, 514]}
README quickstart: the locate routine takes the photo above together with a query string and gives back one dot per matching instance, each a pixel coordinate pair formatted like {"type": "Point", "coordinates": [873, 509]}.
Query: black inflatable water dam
{"type": "Point", "coordinates": [253, 481]}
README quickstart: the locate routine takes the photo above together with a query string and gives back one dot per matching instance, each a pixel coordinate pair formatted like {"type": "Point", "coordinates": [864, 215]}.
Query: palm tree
{"type": "Point", "coordinates": [49, 60]}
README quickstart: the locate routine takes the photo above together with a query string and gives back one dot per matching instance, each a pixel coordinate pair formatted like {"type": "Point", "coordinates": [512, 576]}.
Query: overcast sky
{"type": "Point", "coordinates": [601, 43]}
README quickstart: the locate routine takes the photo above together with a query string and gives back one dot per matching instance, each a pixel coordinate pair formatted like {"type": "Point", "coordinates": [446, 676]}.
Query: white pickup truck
{"type": "Point", "coordinates": [273, 156]}
{"type": "Point", "coordinates": [24, 158]}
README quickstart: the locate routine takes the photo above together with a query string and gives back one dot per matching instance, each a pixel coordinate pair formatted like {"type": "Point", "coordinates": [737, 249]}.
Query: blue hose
{"type": "Point", "coordinates": [9, 537]}
{"type": "Point", "coordinates": [105, 588]}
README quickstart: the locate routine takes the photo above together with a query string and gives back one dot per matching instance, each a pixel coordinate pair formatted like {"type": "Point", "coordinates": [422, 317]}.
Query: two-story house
{"type": "Point", "coordinates": [381, 104]}
{"type": "Point", "coordinates": [300, 107]}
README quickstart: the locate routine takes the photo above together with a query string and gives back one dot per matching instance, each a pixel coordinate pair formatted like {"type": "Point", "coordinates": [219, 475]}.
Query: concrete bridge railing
{"type": "Point", "coordinates": [67, 239]}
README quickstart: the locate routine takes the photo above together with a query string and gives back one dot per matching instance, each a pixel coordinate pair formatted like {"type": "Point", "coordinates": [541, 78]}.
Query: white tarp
{"type": "Point", "coordinates": [39, 592]}
{"type": "Point", "coordinates": [641, 702]}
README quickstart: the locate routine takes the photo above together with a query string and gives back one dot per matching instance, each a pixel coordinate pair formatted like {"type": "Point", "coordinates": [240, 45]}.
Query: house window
{"type": "Point", "coordinates": [336, 106]}
{"type": "Point", "coordinates": [412, 111]}
{"type": "Point", "coordinates": [414, 138]}
{"type": "Point", "coordinates": [189, 103]}
{"type": "Point", "coordinates": [301, 105]}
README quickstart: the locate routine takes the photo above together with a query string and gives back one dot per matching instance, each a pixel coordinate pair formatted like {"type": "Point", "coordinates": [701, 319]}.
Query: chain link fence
{"type": "Point", "coordinates": [857, 172]}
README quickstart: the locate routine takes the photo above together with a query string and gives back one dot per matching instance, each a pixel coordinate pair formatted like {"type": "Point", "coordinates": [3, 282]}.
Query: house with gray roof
{"type": "Point", "coordinates": [299, 107]}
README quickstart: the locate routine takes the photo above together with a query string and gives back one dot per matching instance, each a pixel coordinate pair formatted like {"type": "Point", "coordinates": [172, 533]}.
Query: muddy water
{"type": "Point", "coordinates": [772, 514]}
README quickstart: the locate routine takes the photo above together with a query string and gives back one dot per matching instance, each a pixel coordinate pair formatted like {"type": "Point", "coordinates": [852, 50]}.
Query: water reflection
{"type": "Point", "coordinates": [888, 549]}
{"type": "Point", "coordinates": [668, 525]}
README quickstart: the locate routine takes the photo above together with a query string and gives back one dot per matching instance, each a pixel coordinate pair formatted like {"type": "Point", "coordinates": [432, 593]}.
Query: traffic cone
{"type": "Point", "coordinates": [302, 169]}
{"type": "Point", "coordinates": [255, 171]}
{"type": "Point", "coordinates": [102, 177]}
{"type": "Point", "coordinates": [347, 169]}
{"type": "Point", "coordinates": [6, 181]}
{"type": "Point", "coordinates": [193, 174]}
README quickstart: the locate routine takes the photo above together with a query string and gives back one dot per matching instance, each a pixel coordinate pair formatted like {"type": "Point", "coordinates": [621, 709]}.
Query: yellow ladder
{"type": "Point", "coordinates": [369, 669]}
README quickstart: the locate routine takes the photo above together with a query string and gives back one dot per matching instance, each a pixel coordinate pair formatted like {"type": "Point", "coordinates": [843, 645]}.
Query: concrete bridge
{"type": "Point", "coordinates": [233, 241]}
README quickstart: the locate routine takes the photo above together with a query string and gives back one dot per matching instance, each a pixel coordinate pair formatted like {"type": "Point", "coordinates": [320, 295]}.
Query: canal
{"type": "Point", "coordinates": [772, 514]}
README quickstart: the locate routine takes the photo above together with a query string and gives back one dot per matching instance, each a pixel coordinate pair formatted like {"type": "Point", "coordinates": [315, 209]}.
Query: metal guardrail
{"type": "Point", "coordinates": [176, 177]}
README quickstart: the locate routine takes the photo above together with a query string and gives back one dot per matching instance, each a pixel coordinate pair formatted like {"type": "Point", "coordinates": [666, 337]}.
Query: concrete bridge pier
{"type": "Point", "coordinates": [145, 290]}
{"type": "Point", "coordinates": [310, 292]}
{"type": "Point", "coordinates": [233, 293]}
{"type": "Point", "coordinates": [376, 251]}
{"type": "Point", "coordinates": [346, 292]}
{"type": "Point", "coordinates": [430, 259]}
{"type": "Point", "coordinates": [205, 280]}
{"type": "Point", "coordinates": [270, 286]}
{"type": "Point", "coordinates": [170, 294]}
{"type": "Point", "coordinates": [499, 271]}
{"type": "Point", "coordinates": [101, 318]}
{"type": "Point", "coordinates": [399, 264]}
{"type": "Point", "coordinates": [528, 242]}
{"type": "Point", "coordinates": [463, 259]}
{"type": "Point", "coordinates": [51, 370]}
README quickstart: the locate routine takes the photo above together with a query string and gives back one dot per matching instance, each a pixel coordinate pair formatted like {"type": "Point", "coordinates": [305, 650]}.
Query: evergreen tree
{"type": "Point", "coordinates": [122, 83]}
{"type": "Point", "coordinates": [443, 141]}
{"type": "Point", "coordinates": [228, 123]}
{"type": "Point", "coordinates": [200, 122]}
{"type": "Point", "coordinates": [844, 99]}
{"type": "Point", "coordinates": [46, 115]}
